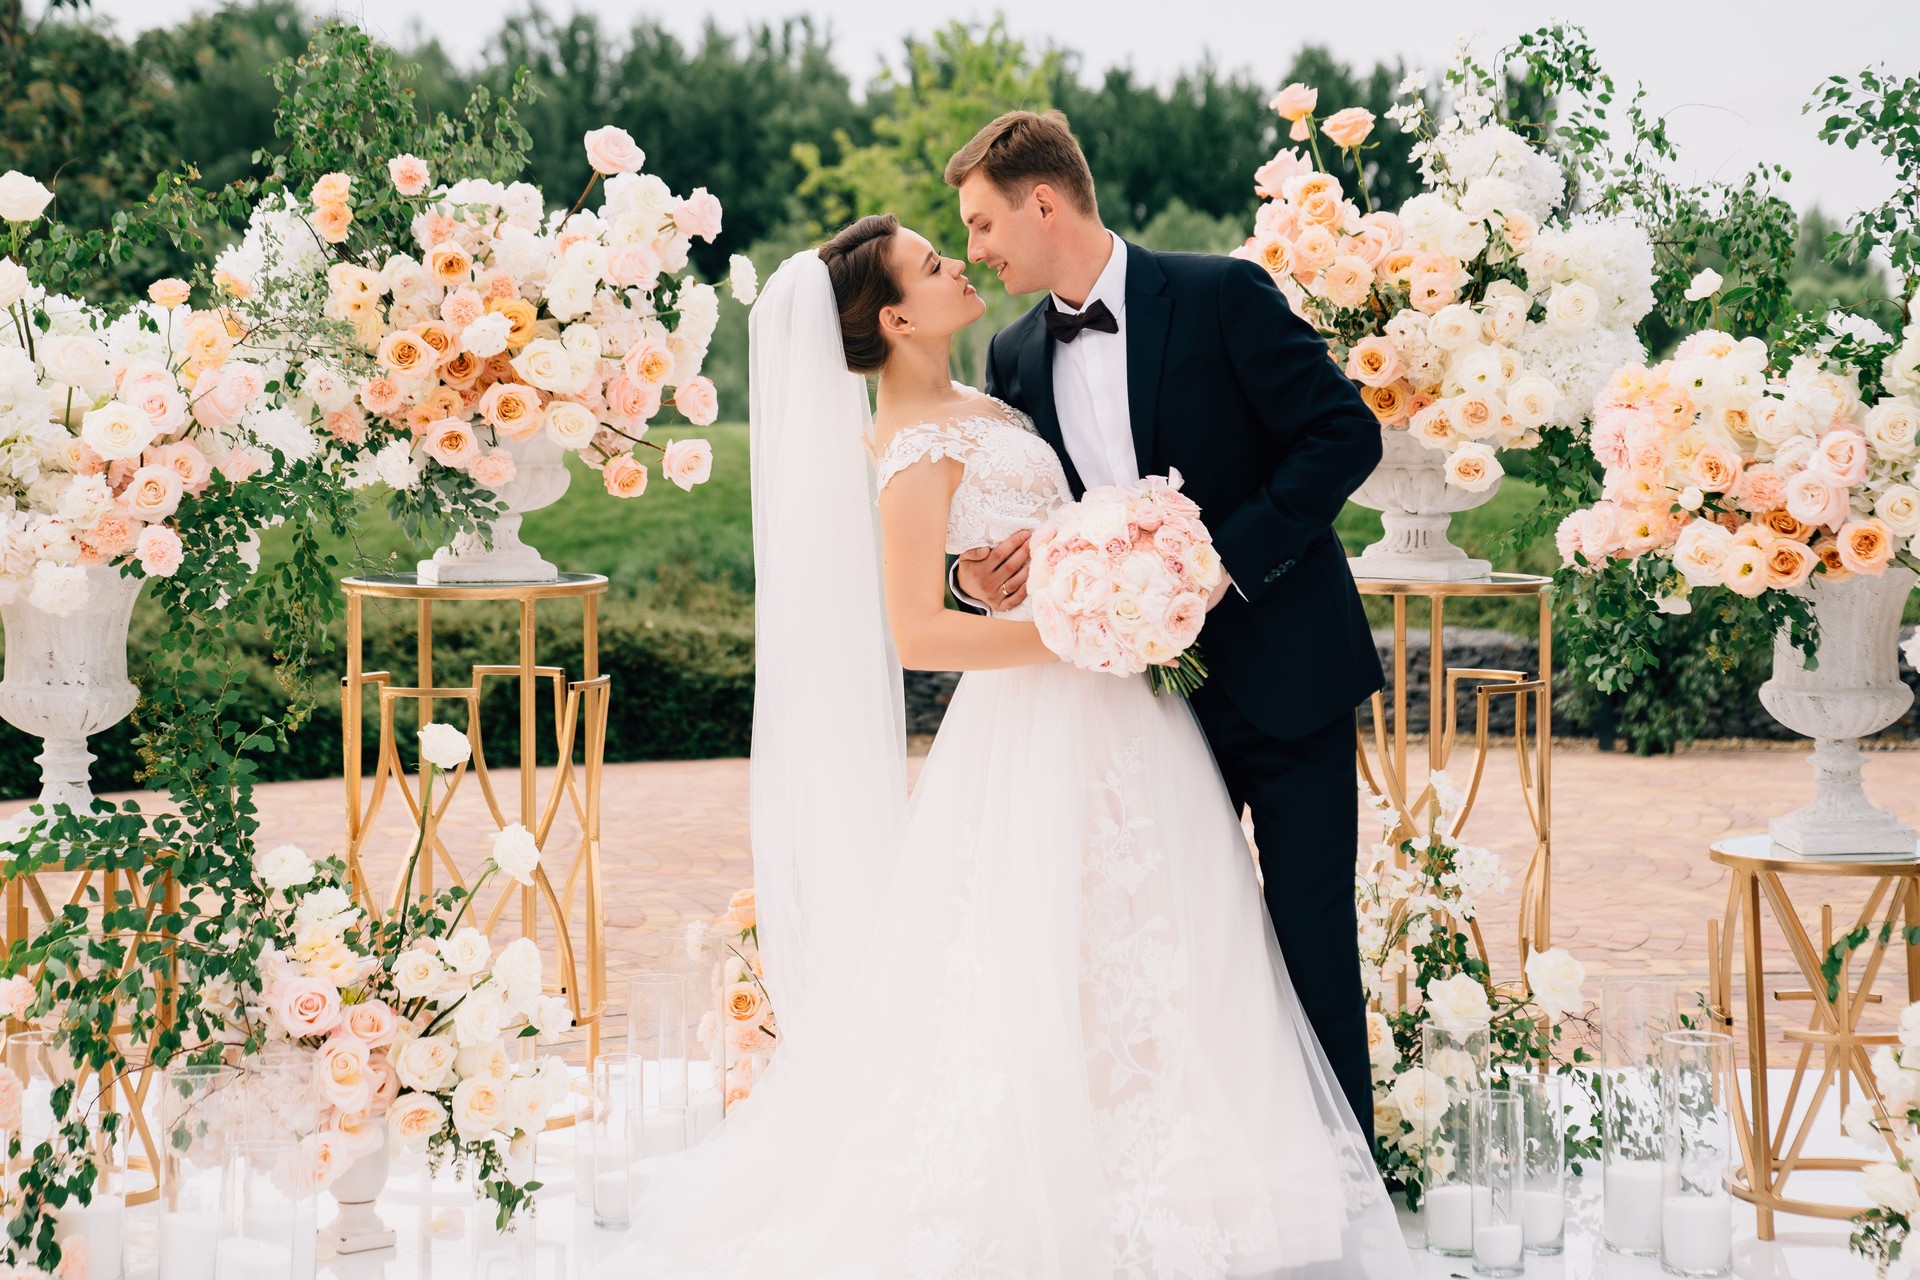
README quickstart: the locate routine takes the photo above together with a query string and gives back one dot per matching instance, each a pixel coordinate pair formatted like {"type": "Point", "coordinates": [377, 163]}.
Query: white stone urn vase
{"type": "Point", "coordinates": [1855, 691]}
{"type": "Point", "coordinates": [540, 478]}
{"type": "Point", "coordinates": [1416, 504]}
{"type": "Point", "coordinates": [358, 1228]}
{"type": "Point", "coordinates": [66, 679]}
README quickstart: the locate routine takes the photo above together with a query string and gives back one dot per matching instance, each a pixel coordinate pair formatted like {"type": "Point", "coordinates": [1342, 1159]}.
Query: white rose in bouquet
{"type": "Point", "coordinates": [284, 867]}
{"type": "Point", "coordinates": [1459, 1004]}
{"type": "Point", "coordinates": [516, 853]}
{"type": "Point", "coordinates": [444, 746]}
{"type": "Point", "coordinates": [1555, 977]}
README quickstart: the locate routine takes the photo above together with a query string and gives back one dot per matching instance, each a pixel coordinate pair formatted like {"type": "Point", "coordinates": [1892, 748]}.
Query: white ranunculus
{"type": "Point", "coordinates": [417, 974]}
{"type": "Point", "coordinates": [1704, 285]}
{"type": "Point", "coordinates": [467, 951]}
{"type": "Point", "coordinates": [516, 853]}
{"type": "Point", "coordinates": [1891, 1187]}
{"type": "Point", "coordinates": [444, 746]}
{"type": "Point", "coordinates": [283, 867]}
{"type": "Point", "coordinates": [1555, 977]}
{"type": "Point", "coordinates": [516, 972]}
{"type": "Point", "coordinates": [22, 199]}
{"type": "Point", "coordinates": [13, 282]}
{"type": "Point", "coordinates": [1458, 1004]}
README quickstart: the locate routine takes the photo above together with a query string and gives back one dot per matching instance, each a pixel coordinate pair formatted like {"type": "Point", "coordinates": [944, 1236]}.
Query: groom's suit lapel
{"type": "Point", "coordinates": [1036, 386]}
{"type": "Point", "coordinates": [1149, 318]}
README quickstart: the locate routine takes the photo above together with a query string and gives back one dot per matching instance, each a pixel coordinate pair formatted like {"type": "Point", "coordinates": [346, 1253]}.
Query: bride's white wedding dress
{"type": "Point", "coordinates": [1071, 1050]}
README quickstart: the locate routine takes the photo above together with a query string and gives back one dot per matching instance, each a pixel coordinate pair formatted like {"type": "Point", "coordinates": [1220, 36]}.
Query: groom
{"type": "Point", "coordinates": [1139, 363]}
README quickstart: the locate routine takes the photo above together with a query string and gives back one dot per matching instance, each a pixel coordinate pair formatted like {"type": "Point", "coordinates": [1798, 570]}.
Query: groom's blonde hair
{"type": "Point", "coordinates": [1023, 149]}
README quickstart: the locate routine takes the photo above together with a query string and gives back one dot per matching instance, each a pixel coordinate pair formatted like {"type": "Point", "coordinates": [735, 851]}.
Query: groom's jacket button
{"type": "Point", "coordinates": [1274, 576]}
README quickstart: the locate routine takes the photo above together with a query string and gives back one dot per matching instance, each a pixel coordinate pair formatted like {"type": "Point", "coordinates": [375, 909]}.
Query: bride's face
{"type": "Point", "coordinates": [936, 299]}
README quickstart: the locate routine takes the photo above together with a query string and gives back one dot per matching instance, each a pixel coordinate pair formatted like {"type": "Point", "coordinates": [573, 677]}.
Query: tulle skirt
{"type": "Point", "coordinates": [1072, 1050]}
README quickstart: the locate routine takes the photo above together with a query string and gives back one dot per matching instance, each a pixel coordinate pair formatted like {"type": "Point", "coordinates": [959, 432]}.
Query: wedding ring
{"type": "Point", "coordinates": [1006, 591]}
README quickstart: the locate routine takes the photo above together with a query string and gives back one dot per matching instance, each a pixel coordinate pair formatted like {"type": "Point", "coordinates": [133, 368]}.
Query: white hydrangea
{"type": "Point", "coordinates": [1480, 150]}
{"type": "Point", "coordinates": [1578, 363]}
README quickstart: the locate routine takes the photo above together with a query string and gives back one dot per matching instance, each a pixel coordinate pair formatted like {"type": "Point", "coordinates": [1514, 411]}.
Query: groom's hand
{"type": "Point", "coordinates": [996, 576]}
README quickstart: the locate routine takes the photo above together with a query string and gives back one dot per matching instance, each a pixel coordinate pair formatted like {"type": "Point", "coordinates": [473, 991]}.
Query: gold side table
{"type": "Point", "coordinates": [1387, 771]}
{"type": "Point", "coordinates": [574, 907]}
{"type": "Point", "coordinates": [1772, 1145]}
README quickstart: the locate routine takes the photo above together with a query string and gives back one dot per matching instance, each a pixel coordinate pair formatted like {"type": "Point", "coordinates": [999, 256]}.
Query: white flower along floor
{"type": "Point", "coordinates": [442, 1235]}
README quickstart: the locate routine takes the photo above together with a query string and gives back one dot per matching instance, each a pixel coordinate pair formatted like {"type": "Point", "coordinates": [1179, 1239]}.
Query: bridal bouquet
{"type": "Point", "coordinates": [1475, 316]}
{"type": "Point", "coordinates": [1720, 474]}
{"type": "Point", "coordinates": [502, 325]}
{"type": "Point", "coordinates": [406, 1017]}
{"type": "Point", "coordinates": [1120, 580]}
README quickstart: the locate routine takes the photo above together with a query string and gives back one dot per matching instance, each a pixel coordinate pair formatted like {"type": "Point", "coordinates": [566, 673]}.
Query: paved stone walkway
{"type": "Point", "coordinates": [1633, 887]}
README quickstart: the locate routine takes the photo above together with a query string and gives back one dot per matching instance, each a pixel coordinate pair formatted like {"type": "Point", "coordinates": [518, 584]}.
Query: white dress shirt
{"type": "Point", "coordinates": [1090, 384]}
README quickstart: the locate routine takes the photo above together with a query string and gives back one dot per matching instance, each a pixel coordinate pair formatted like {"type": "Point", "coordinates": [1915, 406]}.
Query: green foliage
{"type": "Point", "coordinates": [1179, 229]}
{"type": "Point", "coordinates": [1884, 112]}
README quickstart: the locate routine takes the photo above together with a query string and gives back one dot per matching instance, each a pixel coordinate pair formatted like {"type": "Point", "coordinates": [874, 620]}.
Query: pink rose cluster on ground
{"type": "Point", "coordinates": [1120, 579]}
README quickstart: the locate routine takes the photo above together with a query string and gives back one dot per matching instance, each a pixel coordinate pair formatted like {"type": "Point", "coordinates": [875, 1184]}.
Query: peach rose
{"type": "Point", "coordinates": [154, 494]}
{"type": "Point", "coordinates": [623, 477]}
{"type": "Point", "coordinates": [521, 314]}
{"type": "Point", "coordinates": [1348, 282]}
{"type": "Point", "coordinates": [408, 173]}
{"type": "Point", "coordinates": [451, 443]}
{"type": "Point", "coordinates": [742, 1002]}
{"type": "Point", "coordinates": [1787, 563]}
{"type": "Point", "coordinates": [439, 336]}
{"type": "Point", "coordinates": [697, 399]}
{"type": "Point", "coordinates": [612, 150]}
{"type": "Point", "coordinates": [1390, 404]}
{"type": "Point", "coordinates": [649, 362]}
{"type": "Point", "coordinates": [1294, 102]}
{"type": "Point", "coordinates": [169, 293]}
{"type": "Point", "coordinates": [330, 222]}
{"type": "Point", "coordinates": [333, 188]}
{"type": "Point", "coordinates": [630, 402]}
{"type": "Point", "coordinates": [372, 1022]}
{"type": "Point", "coordinates": [1782, 523]}
{"type": "Point", "coordinates": [1313, 251]}
{"type": "Point", "coordinates": [1714, 469]}
{"type": "Point", "coordinates": [512, 407]}
{"type": "Point", "coordinates": [404, 353]}
{"type": "Point", "coordinates": [1473, 467]}
{"type": "Point", "coordinates": [1349, 128]}
{"type": "Point", "coordinates": [449, 264]}
{"type": "Point", "coordinates": [493, 469]}
{"type": "Point", "coordinates": [462, 370]}
{"type": "Point", "coordinates": [1865, 545]}
{"type": "Point", "coordinates": [687, 463]}
{"type": "Point", "coordinates": [1275, 253]}
{"type": "Point", "coordinates": [413, 1118]}
{"type": "Point", "coordinates": [1375, 362]}
{"type": "Point", "coordinates": [305, 1006]}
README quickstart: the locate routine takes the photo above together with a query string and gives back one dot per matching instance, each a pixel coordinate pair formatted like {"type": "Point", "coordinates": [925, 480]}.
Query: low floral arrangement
{"type": "Point", "coordinates": [1417, 897]}
{"type": "Point", "coordinates": [1120, 581]}
{"type": "Point", "coordinates": [1722, 474]}
{"type": "Point", "coordinates": [407, 1017]}
{"type": "Point", "coordinates": [1892, 1185]}
{"type": "Point", "coordinates": [740, 1029]}
{"type": "Point", "coordinates": [1475, 316]}
{"type": "Point", "coordinates": [502, 325]}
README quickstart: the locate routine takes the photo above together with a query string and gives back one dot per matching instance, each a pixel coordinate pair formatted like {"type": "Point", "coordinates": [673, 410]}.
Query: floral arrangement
{"type": "Point", "coordinates": [1120, 582]}
{"type": "Point", "coordinates": [1417, 897]}
{"type": "Point", "coordinates": [740, 1030]}
{"type": "Point", "coordinates": [113, 424]}
{"type": "Point", "coordinates": [501, 324]}
{"type": "Point", "coordinates": [1477, 315]}
{"type": "Point", "coordinates": [406, 1018]}
{"type": "Point", "coordinates": [1720, 475]}
{"type": "Point", "coordinates": [1892, 1185]}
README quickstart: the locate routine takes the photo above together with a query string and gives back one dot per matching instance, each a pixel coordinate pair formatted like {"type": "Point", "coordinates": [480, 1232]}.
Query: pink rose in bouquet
{"type": "Point", "coordinates": [1120, 582]}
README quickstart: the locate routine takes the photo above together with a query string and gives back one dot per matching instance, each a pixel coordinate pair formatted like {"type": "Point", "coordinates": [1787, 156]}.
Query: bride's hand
{"type": "Point", "coordinates": [996, 576]}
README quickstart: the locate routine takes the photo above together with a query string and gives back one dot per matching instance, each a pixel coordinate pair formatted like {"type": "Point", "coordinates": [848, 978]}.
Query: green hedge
{"type": "Point", "coordinates": [682, 688]}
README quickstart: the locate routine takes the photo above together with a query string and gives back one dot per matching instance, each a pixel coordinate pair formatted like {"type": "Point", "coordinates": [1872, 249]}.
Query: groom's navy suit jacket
{"type": "Point", "coordinates": [1226, 384]}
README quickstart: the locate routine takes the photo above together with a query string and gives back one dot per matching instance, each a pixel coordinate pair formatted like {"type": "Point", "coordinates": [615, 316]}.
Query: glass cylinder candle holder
{"type": "Point", "coordinates": [197, 1105]}
{"type": "Point", "coordinates": [97, 1229]}
{"type": "Point", "coordinates": [700, 950]}
{"type": "Point", "coordinates": [657, 1034]}
{"type": "Point", "coordinates": [269, 1232]}
{"type": "Point", "coordinates": [582, 1100]}
{"type": "Point", "coordinates": [41, 1064]}
{"type": "Point", "coordinates": [617, 1110]}
{"type": "Point", "coordinates": [1696, 1209]}
{"type": "Point", "coordinates": [1496, 1167]}
{"type": "Point", "coordinates": [1635, 1015]}
{"type": "Point", "coordinates": [1543, 1120]}
{"type": "Point", "coordinates": [1454, 1064]}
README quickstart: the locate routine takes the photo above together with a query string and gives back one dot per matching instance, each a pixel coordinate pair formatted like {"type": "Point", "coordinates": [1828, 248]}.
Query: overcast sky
{"type": "Point", "coordinates": [1731, 78]}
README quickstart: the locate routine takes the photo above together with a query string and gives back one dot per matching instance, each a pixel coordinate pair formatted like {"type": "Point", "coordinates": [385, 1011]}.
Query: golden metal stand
{"type": "Point", "coordinates": [1770, 1148]}
{"type": "Point", "coordinates": [28, 906]}
{"type": "Point", "coordinates": [1388, 772]}
{"type": "Point", "coordinates": [580, 719]}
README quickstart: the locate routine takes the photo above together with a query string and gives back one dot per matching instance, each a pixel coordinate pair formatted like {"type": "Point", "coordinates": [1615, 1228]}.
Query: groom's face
{"type": "Point", "coordinates": [1009, 237]}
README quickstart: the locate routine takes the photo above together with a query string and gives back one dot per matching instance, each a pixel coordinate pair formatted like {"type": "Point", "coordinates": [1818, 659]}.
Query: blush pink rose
{"type": "Point", "coordinates": [408, 174]}
{"type": "Point", "coordinates": [10, 1097]}
{"type": "Point", "coordinates": [153, 494]}
{"type": "Point", "coordinates": [340, 1067]}
{"type": "Point", "coordinates": [493, 469]}
{"type": "Point", "coordinates": [1840, 457]}
{"type": "Point", "coordinates": [687, 463]}
{"type": "Point", "coordinates": [184, 458]}
{"type": "Point", "coordinates": [451, 443]}
{"type": "Point", "coordinates": [155, 395]}
{"type": "Point", "coordinates": [698, 215]}
{"type": "Point", "coordinates": [634, 265]}
{"type": "Point", "coordinates": [697, 399]}
{"type": "Point", "coordinates": [612, 150]}
{"type": "Point", "coordinates": [624, 477]}
{"type": "Point", "coordinates": [372, 1022]}
{"type": "Point", "coordinates": [305, 1006]}
{"type": "Point", "coordinates": [385, 1082]}
{"type": "Point", "coordinates": [1349, 128]}
{"type": "Point", "coordinates": [1811, 499]}
{"type": "Point", "coordinates": [1270, 179]}
{"type": "Point", "coordinates": [1374, 361]}
{"type": "Point", "coordinates": [631, 402]}
{"type": "Point", "coordinates": [1294, 102]}
{"type": "Point", "coordinates": [233, 390]}
{"type": "Point", "coordinates": [168, 293]}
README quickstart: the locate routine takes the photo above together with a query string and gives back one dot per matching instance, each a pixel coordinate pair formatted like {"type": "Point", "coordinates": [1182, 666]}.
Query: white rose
{"type": "Point", "coordinates": [1898, 506]}
{"type": "Point", "coordinates": [1890, 1187]}
{"type": "Point", "coordinates": [444, 746]}
{"type": "Point", "coordinates": [417, 974]}
{"type": "Point", "coordinates": [1555, 977]}
{"type": "Point", "coordinates": [481, 1018]}
{"type": "Point", "coordinates": [1458, 1004]}
{"type": "Point", "coordinates": [425, 1063]}
{"type": "Point", "coordinates": [1421, 1097]}
{"type": "Point", "coordinates": [479, 1104]}
{"type": "Point", "coordinates": [526, 1105]}
{"type": "Point", "coordinates": [466, 951]}
{"type": "Point", "coordinates": [516, 853]}
{"type": "Point", "coordinates": [13, 282]}
{"type": "Point", "coordinates": [1572, 307]}
{"type": "Point", "coordinates": [1453, 327]}
{"type": "Point", "coordinates": [516, 972]}
{"type": "Point", "coordinates": [117, 432]}
{"type": "Point", "coordinates": [75, 360]}
{"type": "Point", "coordinates": [283, 867]}
{"type": "Point", "coordinates": [1892, 427]}
{"type": "Point", "coordinates": [1704, 285]}
{"type": "Point", "coordinates": [1381, 1050]}
{"type": "Point", "coordinates": [487, 1061]}
{"type": "Point", "coordinates": [570, 425]}
{"type": "Point", "coordinates": [742, 278]}
{"type": "Point", "coordinates": [412, 1119]}
{"type": "Point", "coordinates": [22, 199]}
{"type": "Point", "coordinates": [488, 335]}
{"type": "Point", "coordinates": [546, 364]}
{"type": "Point", "coordinates": [1473, 467]}
{"type": "Point", "coordinates": [552, 1016]}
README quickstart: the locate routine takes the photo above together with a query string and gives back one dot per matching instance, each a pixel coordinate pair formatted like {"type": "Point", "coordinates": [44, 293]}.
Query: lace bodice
{"type": "Point", "coordinates": [1013, 478]}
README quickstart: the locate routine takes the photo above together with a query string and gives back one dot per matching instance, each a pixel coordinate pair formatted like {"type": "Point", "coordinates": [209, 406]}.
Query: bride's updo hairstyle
{"type": "Point", "coordinates": [863, 283]}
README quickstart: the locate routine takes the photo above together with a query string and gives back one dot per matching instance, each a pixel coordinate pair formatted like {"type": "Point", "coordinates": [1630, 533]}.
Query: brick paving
{"type": "Point", "coordinates": [1633, 887]}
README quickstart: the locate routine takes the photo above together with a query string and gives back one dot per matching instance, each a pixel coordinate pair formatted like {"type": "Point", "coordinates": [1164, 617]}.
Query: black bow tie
{"type": "Point", "coordinates": [1066, 328]}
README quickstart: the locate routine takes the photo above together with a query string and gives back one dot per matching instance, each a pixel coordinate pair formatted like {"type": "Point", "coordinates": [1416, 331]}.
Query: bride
{"type": "Point", "coordinates": [1034, 1022]}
